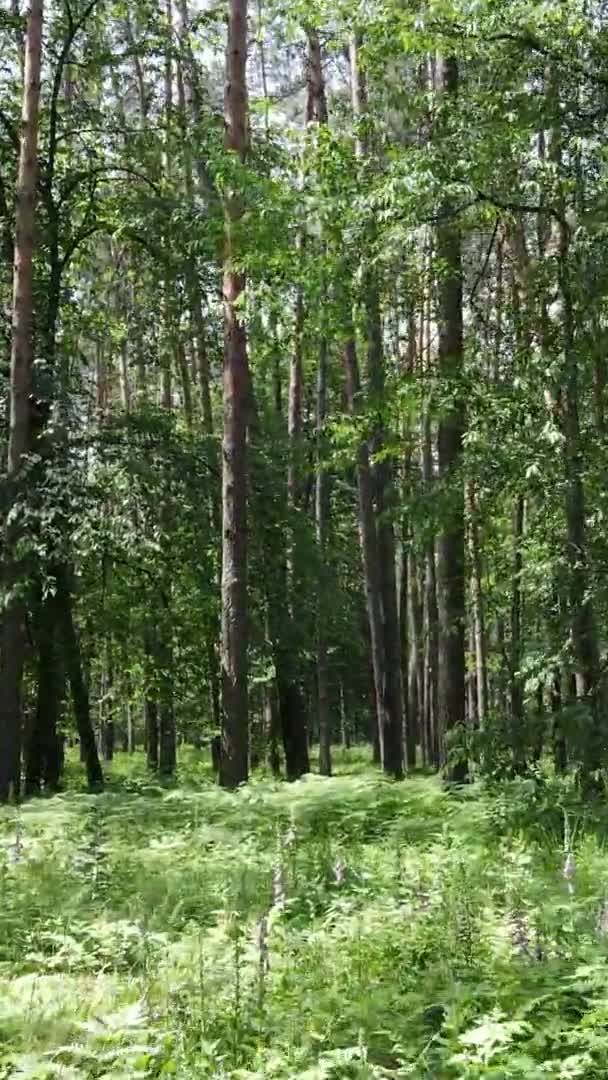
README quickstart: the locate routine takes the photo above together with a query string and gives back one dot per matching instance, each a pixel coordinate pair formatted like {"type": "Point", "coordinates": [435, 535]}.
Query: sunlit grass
{"type": "Point", "coordinates": [332, 928]}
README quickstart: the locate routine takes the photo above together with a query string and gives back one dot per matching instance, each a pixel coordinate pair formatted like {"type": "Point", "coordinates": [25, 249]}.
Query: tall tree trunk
{"type": "Point", "coordinates": [294, 412]}
{"type": "Point", "coordinates": [430, 610]}
{"type": "Point", "coordinates": [321, 522]}
{"type": "Point", "coordinates": [185, 379]}
{"type": "Point", "coordinates": [186, 102]}
{"type": "Point", "coordinates": [316, 113]}
{"type": "Point", "coordinates": [516, 690]}
{"type": "Point", "coordinates": [585, 642]}
{"type": "Point", "coordinates": [167, 739]}
{"type": "Point", "coordinates": [344, 721]}
{"type": "Point", "coordinates": [451, 548]}
{"type": "Point", "coordinates": [392, 690]}
{"type": "Point", "coordinates": [281, 624]}
{"type": "Point", "coordinates": [479, 630]}
{"type": "Point", "coordinates": [12, 650]}
{"type": "Point", "coordinates": [282, 634]}
{"type": "Point", "coordinates": [292, 711]}
{"type": "Point", "coordinates": [558, 738]}
{"type": "Point", "coordinates": [150, 703]}
{"type": "Point", "coordinates": [41, 744]}
{"type": "Point", "coordinates": [582, 617]}
{"type": "Point", "coordinates": [272, 725]}
{"type": "Point", "coordinates": [368, 541]}
{"type": "Point", "coordinates": [163, 650]}
{"type": "Point", "coordinates": [80, 695]}
{"type": "Point", "coordinates": [235, 735]}
{"type": "Point", "coordinates": [106, 725]}
{"type": "Point", "coordinates": [414, 660]}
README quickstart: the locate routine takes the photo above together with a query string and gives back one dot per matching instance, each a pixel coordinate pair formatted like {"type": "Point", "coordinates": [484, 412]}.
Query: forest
{"type": "Point", "coordinates": [304, 439]}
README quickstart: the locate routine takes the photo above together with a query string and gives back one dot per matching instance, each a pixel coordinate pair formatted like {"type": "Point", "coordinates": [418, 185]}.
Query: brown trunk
{"type": "Point", "coordinates": [282, 629]}
{"type": "Point", "coordinates": [151, 726]}
{"type": "Point", "coordinates": [272, 726]}
{"type": "Point", "coordinates": [281, 632]}
{"type": "Point", "coordinates": [192, 88]}
{"type": "Point", "coordinates": [162, 643]}
{"type": "Point", "coordinates": [369, 547]}
{"type": "Point", "coordinates": [41, 744]}
{"type": "Point", "coordinates": [558, 738]}
{"type": "Point", "coordinates": [203, 372]}
{"type": "Point", "coordinates": [235, 750]}
{"type": "Point", "coordinates": [185, 77]}
{"type": "Point", "coordinates": [316, 112]}
{"type": "Point", "coordinates": [516, 691]}
{"type": "Point", "coordinates": [479, 631]}
{"type": "Point", "coordinates": [471, 684]}
{"type": "Point", "coordinates": [392, 690]}
{"type": "Point", "coordinates": [414, 635]}
{"type": "Point", "coordinates": [599, 381]}
{"type": "Point", "coordinates": [167, 740]}
{"type": "Point", "coordinates": [129, 726]}
{"type": "Point", "coordinates": [184, 375]}
{"type": "Point", "coordinates": [431, 664]}
{"type": "Point", "coordinates": [393, 736]}
{"type": "Point", "coordinates": [344, 724]}
{"type": "Point", "coordinates": [316, 107]}
{"type": "Point", "coordinates": [150, 704]}
{"type": "Point", "coordinates": [107, 728]}
{"type": "Point", "coordinates": [321, 522]}
{"type": "Point", "coordinates": [431, 614]}
{"type": "Point", "coordinates": [294, 411]}
{"type": "Point", "coordinates": [292, 711]}
{"type": "Point", "coordinates": [74, 671]}
{"type": "Point", "coordinates": [451, 547]}
{"type": "Point", "coordinates": [582, 618]}
{"type": "Point", "coordinates": [12, 645]}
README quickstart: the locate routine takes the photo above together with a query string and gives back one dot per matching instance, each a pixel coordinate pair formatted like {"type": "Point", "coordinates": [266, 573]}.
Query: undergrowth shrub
{"type": "Point", "coordinates": [349, 927]}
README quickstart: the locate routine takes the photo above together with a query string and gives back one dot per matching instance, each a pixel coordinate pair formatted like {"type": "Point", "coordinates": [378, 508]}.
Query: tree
{"type": "Point", "coordinates": [379, 549]}
{"type": "Point", "coordinates": [22, 402]}
{"type": "Point", "coordinates": [451, 548]}
{"type": "Point", "coordinates": [234, 766]}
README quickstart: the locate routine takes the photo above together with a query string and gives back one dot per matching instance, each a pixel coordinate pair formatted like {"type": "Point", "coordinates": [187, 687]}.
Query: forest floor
{"type": "Point", "coordinates": [350, 927]}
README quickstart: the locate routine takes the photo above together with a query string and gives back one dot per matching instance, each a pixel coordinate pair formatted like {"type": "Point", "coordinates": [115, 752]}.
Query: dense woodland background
{"type": "Point", "coordinates": [303, 379]}
{"type": "Point", "coordinates": [304, 384]}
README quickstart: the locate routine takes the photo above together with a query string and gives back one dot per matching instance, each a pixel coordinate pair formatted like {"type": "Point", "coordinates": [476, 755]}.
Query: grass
{"type": "Point", "coordinates": [350, 927]}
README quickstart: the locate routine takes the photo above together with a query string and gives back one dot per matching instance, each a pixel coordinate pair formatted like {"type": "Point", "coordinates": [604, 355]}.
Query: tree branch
{"type": "Point", "coordinates": [73, 29]}
{"type": "Point", "coordinates": [482, 272]}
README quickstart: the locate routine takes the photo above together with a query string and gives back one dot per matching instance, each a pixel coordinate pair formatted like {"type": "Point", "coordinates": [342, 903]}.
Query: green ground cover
{"type": "Point", "coordinates": [350, 927]}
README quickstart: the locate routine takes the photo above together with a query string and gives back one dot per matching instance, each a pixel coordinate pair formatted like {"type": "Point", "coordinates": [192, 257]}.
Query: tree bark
{"type": "Point", "coordinates": [12, 651]}
{"type": "Point", "coordinates": [368, 541]}
{"type": "Point", "coordinates": [80, 696]}
{"type": "Point", "coordinates": [316, 113]}
{"type": "Point", "coordinates": [294, 413]}
{"type": "Point", "coordinates": [235, 736]}
{"type": "Point", "coordinates": [451, 547]}
{"type": "Point", "coordinates": [321, 525]}
{"type": "Point", "coordinates": [414, 635]}
{"type": "Point", "coordinates": [41, 744]}
{"type": "Point", "coordinates": [516, 690]}
{"type": "Point", "coordinates": [150, 704]}
{"type": "Point", "coordinates": [479, 630]}
{"type": "Point", "coordinates": [582, 617]}
{"type": "Point", "coordinates": [391, 742]}
{"type": "Point", "coordinates": [430, 611]}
